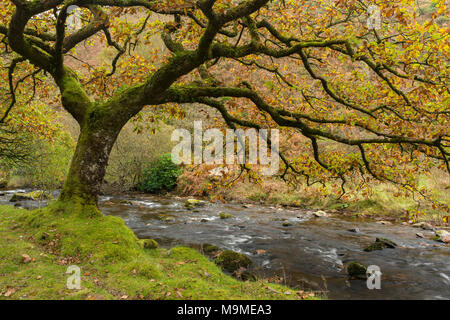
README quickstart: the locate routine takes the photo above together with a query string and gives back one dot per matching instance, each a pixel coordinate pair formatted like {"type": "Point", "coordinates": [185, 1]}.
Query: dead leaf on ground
{"type": "Point", "coordinates": [25, 258]}
{"type": "Point", "coordinates": [9, 292]}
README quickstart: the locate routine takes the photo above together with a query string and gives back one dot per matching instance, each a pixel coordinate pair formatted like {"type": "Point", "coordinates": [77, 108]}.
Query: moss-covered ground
{"type": "Point", "coordinates": [37, 247]}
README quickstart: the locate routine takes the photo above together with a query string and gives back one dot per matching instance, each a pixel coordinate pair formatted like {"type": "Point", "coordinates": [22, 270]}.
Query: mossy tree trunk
{"type": "Point", "coordinates": [88, 165]}
{"type": "Point", "coordinates": [100, 124]}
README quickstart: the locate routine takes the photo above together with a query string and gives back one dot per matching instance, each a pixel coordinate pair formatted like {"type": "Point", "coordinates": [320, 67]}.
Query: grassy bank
{"type": "Point", "coordinates": [382, 203]}
{"type": "Point", "coordinates": [37, 247]}
{"type": "Point", "coordinates": [383, 200]}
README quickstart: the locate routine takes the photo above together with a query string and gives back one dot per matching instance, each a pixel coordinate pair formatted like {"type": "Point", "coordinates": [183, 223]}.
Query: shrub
{"type": "Point", "coordinates": [133, 151]}
{"type": "Point", "coordinates": [160, 176]}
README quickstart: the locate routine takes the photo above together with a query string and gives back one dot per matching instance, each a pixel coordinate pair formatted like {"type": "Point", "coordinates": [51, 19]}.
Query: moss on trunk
{"type": "Point", "coordinates": [88, 166]}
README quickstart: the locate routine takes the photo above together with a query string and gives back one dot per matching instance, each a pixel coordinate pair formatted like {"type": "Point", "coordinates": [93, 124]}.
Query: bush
{"type": "Point", "coordinates": [133, 151]}
{"type": "Point", "coordinates": [160, 176]}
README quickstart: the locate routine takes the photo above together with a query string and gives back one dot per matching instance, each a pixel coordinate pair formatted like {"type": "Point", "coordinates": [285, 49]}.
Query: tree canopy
{"type": "Point", "coordinates": [361, 100]}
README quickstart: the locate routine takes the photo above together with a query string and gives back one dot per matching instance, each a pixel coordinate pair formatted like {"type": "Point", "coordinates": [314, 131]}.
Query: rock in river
{"type": "Point", "coordinates": [423, 225]}
{"type": "Point", "coordinates": [224, 215]}
{"type": "Point", "coordinates": [357, 270]}
{"type": "Point", "coordinates": [320, 214]}
{"type": "Point", "coordinates": [380, 244]}
{"type": "Point", "coordinates": [210, 249]}
{"type": "Point", "coordinates": [33, 196]}
{"type": "Point", "coordinates": [232, 261]}
{"type": "Point", "coordinates": [194, 203]}
{"type": "Point", "coordinates": [442, 236]}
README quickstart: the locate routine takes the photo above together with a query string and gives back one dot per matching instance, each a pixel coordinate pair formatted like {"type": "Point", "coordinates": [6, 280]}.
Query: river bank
{"type": "Point", "coordinates": [39, 246]}
{"type": "Point", "coordinates": [304, 249]}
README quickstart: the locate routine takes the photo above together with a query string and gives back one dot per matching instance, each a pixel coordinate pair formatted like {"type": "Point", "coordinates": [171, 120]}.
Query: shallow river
{"type": "Point", "coordinates": [309, 254]}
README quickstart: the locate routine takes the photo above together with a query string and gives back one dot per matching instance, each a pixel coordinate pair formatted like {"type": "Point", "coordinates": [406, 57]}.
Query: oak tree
{"type": "Point", "coordinates": [363, 83]}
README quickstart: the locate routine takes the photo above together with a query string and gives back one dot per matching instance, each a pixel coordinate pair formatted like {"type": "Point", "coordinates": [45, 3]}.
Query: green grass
{"type": "Point", "coordinates": [113, 263]}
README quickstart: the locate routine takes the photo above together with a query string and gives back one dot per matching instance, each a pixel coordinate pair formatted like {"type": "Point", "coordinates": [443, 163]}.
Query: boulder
{"type": "Point", "coordinates": [357, 270]}
{"type": "Point", "coordinates": [354, 230]}
{"type": "Point", "coordinates": [33, 196]}
{"type": "Point", "coordinates": [442, 236]}
{"type": "Point", "coordinates": [374, 246]}
{"type": "Point", "coordinates": [210, 249]}
{"type": "Point", "coordinates": [320, 214]}
{"type": "Point", "coordinates": [232, 261]}
{"type": "Point", "coordinates": [423, 225]}
{"type": "Point", "coordinates": [380, 244]}
{"type": "Point", "coordinates": [388, 243]}
{"type": "Point", "coordinates": [224, 215]}
{"type": "Point", "coordinates": [194, 203]}
{"type": "Point", "coordinates": [420, 235]}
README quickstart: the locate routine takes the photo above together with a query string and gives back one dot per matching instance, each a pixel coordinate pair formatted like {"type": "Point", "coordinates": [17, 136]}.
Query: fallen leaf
{"type": "Point", "coordinates": [25, 258]}
{"type": "Point", "coordinates": [9, 292]}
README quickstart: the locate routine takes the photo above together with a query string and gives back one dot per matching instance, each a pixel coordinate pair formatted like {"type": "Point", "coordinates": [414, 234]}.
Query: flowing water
{"type": "Point", "coordinates": [309, 254]}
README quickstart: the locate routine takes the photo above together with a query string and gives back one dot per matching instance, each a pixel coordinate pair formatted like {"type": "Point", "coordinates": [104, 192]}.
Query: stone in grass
{"type": "Point", "coordinates": [357, 270]}
{"type": "Point", "coordinates": [380, 244]}
{"type": "Point", "coordinates": [287, 224]}
{"type": "Point", "coordinates": [148, 244]}
{"type": "Point", "coordinates": [224, 215]}
{"type": "Point", "coordinates": [232, 261]}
